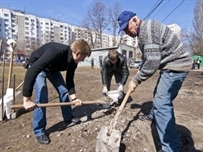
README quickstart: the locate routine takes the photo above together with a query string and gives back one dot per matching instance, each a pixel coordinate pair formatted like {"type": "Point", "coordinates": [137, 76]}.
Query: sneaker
{"type": "Point", "coordinates": [145, 117]}
{"type": "Point", "coordinates": [43, 139]}
{"type": "Point", "coordinates": [73, 121]}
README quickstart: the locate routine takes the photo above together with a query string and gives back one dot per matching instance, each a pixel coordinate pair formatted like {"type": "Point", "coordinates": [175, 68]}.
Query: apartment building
{"type": "Point", "coordinates": [7, 29]}
{"type": "Point", "coordinates": [92, 37]}
{"type": "Point", "coordinates": [31, 31]}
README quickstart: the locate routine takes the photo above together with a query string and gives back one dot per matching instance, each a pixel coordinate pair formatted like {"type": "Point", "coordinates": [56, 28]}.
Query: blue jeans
{"type": "Point", "coordinates": [166, 90]}
{"type": "Point", "coordinates": [39, 115]}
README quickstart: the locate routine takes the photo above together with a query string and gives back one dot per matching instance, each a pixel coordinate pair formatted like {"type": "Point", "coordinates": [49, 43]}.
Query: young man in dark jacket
{"type": "Point", "coordinates": [114, 64]}
{"type": "Point", "coordinates": [162, 50]}
{"type": "Point", "coordinates": [46, 63]}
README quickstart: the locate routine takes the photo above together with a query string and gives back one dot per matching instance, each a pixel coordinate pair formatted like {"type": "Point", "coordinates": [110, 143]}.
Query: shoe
{"type": "Point", "coordinates": [160, 151]}
{"type": "Point", "coordinates": [43, 139]}
{"type": "Point", "coordinates": [73, 121]}
{"type": "Point", "coordinates": [106, 106]}
{"type": "Point", "coordinates": [145, 117]}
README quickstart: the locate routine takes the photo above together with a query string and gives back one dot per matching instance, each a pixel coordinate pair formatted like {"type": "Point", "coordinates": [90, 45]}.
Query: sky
{"type": "Point", "coordinates": [72, 12]}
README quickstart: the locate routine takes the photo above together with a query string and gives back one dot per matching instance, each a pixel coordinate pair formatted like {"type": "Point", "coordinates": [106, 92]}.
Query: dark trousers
{"type": "Point", "coordinates": [117, 76]}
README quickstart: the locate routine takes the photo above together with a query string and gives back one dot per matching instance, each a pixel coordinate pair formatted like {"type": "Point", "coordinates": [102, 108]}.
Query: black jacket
{"type": "Point", "coordinates": [120, 67]}
{"type": "Point", "coordinates": [50, 57]}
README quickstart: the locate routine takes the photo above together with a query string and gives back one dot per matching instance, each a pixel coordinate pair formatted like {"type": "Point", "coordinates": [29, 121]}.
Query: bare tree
{"type": "Point", "coordinates": [97, 21]}
{"type": "Point", "coordinates": [114, 12]}
{"type": "Point", "coordinates": [188, 40]}
{"type": "Point", "coordinates": [87, 25]}
{"type": "Point", "coordinates": [198, 28]}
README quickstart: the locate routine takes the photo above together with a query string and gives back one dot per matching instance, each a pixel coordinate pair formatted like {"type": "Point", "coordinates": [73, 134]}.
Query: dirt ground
{"type": "Point", "coordinates": [137, 136]}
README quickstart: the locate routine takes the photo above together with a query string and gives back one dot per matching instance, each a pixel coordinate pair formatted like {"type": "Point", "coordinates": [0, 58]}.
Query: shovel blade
{"type": "Point", "coordinates": [107, 143]}
{"type": "Point", "coordinates": [8, 101]}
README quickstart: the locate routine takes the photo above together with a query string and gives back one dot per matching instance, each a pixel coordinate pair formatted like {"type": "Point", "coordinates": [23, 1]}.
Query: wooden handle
{"type": "Point", "coordinates": [10, 69]}
{"type": "Point", "coordinates": [124, 102]}
{"type": "Point", "coordinates": [114, 121]}
{"type": "Point", "coordinates": [19, 106]}
{"type": "Point", "coordinates": [20, 85]}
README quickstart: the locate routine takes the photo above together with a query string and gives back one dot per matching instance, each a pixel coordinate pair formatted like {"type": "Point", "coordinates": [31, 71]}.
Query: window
{"type": "Point", "coordinates": [130, 54]}
{"type": "Point", "coordinates": [124, 52]}
{"type": "Point", "coordinates": [6, 15]}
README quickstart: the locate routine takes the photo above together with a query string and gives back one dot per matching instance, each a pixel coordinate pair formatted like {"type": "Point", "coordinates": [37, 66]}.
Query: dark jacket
{"type": "Point", "coordinates": [50, 57]}
{"type": "Point", "coordinates": [119, 67]}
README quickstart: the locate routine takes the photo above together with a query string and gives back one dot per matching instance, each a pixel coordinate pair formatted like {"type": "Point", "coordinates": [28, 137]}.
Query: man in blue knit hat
{"type": "Point", "coordinates": [161, 50]}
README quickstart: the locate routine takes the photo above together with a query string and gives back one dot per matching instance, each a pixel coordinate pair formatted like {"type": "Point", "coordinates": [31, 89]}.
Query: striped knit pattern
{"type": "Point", "coordinates": [161, 49]}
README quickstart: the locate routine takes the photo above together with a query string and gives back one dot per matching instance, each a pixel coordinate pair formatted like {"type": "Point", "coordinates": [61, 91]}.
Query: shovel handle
{"type": "Point", "coordinates": [19, 106]}
{"type": "Point", "coordinates": [10, 68]}
{"type": "Point", "coordinates": [20, 85]}
{"type": "Point", "coordinates": [114, 121]}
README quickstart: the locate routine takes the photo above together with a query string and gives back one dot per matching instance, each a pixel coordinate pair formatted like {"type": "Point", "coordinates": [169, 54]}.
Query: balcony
{"type": "Point", "coordinates": [13, 23]}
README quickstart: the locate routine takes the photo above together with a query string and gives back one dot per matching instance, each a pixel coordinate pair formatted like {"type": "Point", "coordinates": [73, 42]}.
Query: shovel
{"type": "Point", "coordinates": [108, 139]}
{"type": "Point", "coordinates": [7, 99]}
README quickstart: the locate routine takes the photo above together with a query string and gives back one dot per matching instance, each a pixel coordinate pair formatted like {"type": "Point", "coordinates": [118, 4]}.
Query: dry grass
{"type": "Point", "coordinates": [17, 70]}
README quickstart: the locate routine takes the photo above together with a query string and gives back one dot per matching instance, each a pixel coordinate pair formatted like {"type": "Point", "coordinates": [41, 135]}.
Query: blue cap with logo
{"type": "Point", "coordinates": [124, 18]}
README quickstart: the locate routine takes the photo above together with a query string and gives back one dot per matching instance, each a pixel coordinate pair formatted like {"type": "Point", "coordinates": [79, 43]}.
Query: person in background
{"type": "Point", "coordinates": [162, 50]}
{"type": "Point", "coordinates": [100, 63]}
{"type": "Point", "coordinates": [92, 63]}
{"type": "Point", "coordinates": [46, 63]}
{"type": "Point", "coordinates": [114, 64]}
{"type": "Point", "coordinates": [198, 62]}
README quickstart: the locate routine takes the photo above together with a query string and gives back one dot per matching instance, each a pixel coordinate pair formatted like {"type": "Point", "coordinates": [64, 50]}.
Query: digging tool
{"type": "Point", "coordinates": [108, 139]}
{"type": "Point", "coordinates": [19, 106]}
{"type": "Point", "coordinates": [10, 91]}
{"type": "Point", "coordinates": [8, 98]}
{"type": "Point", "coordinates": [11, 44]}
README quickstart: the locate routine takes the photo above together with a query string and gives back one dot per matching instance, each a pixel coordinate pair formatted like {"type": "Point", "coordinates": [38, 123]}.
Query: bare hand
{"type": "Point", "coordinates": [77, 102]}
{"type": "Point", "coordinates": [28, 104]}
{"type": "Point", "coordinates": [132, 86]}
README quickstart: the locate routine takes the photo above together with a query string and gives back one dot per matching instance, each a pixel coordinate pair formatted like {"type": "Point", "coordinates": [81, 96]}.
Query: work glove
{"type": "Point", "coordinates": [105, 91]}
{"type": "Point", "coordinates": [120, 91]}
{"type": "Point", "coordinates": [25, 64]}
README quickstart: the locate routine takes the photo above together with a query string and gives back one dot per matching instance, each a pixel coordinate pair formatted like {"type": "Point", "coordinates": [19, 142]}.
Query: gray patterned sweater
{"type": "Point", "coordinates": [161, 49]}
